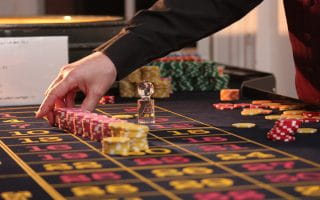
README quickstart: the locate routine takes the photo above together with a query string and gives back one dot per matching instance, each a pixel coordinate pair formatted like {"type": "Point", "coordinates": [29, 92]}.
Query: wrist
{"type": "Point", "coordinates": [106, 63]}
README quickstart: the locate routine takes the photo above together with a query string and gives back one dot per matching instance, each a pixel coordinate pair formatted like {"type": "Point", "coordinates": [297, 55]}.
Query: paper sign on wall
{"type": "Point", "coordinates": [27, 67]}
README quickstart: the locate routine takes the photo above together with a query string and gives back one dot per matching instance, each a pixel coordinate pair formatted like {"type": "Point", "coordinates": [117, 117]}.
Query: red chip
{"type": "Point", "coordinates": [96, 127]}
{"type": "Point", "coordinates": [107, 100]}
{"type": "Point", "coordinates": [281, 131]}
{"type": "Point", "coordinates": [258, 106]}
{"type": "Point", "coordinates": [77, 122]}
{"type": "Point", "coordinates": [311, 114]}
{"type": "Point", "coordinates": [241, 105]}
{"type": "Point", "coordinates": [288, 122]}
{"type": "Point", "coordinates": [70, 117]}
{"type": "Point", "coordinates": [283, 138]}
{"type": "Point", "coordinates": [60, 114]}
{"type": "Point", "coordinates": [223, 106]}
{"type": "Point", "coordinates": [284, 130]}
{"type": "Point", "coordinates": [310, 120]}
{"type": "Point", "coordinates": [266, 112]}
{"type": "Point", "coordinates": [86, 124]}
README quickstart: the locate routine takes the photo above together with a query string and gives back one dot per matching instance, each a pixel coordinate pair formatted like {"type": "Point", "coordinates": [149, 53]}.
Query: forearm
{"type": "Point", "coordinates": [170, 25]}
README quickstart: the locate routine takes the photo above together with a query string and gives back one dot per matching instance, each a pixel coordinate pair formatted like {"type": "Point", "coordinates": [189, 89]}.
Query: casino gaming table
{"type": "Point", "coordinates": [194, 153]}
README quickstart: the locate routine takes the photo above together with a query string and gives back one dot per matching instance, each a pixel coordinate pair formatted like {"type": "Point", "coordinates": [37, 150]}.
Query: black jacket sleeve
{"type": "Point", "coordinates": [170, 25]}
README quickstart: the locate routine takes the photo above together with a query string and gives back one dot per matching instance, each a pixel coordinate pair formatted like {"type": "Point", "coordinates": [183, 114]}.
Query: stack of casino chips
{"type": "Point", "coordinates": [287, 123]}
{"type": "Point", "coordinates": [127, 89]}
{"type": "Point", "coordinates": [84, 123]}
{"type": "Point", "coordinates": [290, 122]}
{"type": "Point", "coordinates": [229, 94]}
{"type": "Point", "coordinates": [125, 138]}
{"type": "Point", "coordinates": [284, 130]}
{"type": "Point", "coordinates": [107, 100]}
{"type": "Point", "coordinates": [118, 137]}
{"type": "Point", "coordinates": [193, 75]}
{"type": "Point", "coordinates": [162, 86]}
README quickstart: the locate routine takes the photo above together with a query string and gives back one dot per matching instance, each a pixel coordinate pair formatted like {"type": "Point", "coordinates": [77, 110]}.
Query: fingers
{"type": "Point", "coordinates": [70, 98]}
{"type": "Point", "coordinates": [90, 102]}
{"type": "Point", "coordinates": [57, 92]}
{"type": "Point", "coordinates": [46, 106]}
{"type": "Point", "coordinates": [53, 83]}
{"type": "Point", "coordinates": [50, 117]}
{"type": "Point", "coordinates": [59, 103]}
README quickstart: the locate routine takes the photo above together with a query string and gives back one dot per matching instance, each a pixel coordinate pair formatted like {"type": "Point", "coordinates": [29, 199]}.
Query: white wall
{"type": "Point", "coordinates": [21, 7]}
{"type": "Point", "coordinates": [258, 41]}
{"type": "Point", "coordinates": [235, 45]}
{"type": "Point", "coordinates": [273, 47]}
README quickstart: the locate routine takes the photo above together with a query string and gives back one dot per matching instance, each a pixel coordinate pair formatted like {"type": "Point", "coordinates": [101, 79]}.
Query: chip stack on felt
{"type": "Point", "coordinates": [127, 86]}
{"type": "Point", "coordinates": [193, 75]}
{"type": "Point", "coordinates": [83, 123]}
{"type": "Point", "coordinates": [117, 136]}
{"type": "Point", "coordinates": [107, 100]}
{"type": "Point", "coordinates": [99, 127]}
{"type": "Point", "coordinates": [162, 88]}
{"type": "Point", "coordinates": [284, 130]}
{"type": "Point", "coordinates": [229, 94]}
{"type": "Point", "coordinates": [125, 138]}
{"type": "Point", "coordinates": [287, 123]}
{"type": "Point", "coordinates": [290, 122]}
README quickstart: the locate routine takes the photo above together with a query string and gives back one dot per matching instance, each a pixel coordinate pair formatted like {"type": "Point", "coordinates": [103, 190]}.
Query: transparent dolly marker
{"type": "Point", "coordinates": [146, 114]}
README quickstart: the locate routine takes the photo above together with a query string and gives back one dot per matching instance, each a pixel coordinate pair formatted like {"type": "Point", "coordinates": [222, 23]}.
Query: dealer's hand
{"type": "Point", "coordinates": [93, 75]}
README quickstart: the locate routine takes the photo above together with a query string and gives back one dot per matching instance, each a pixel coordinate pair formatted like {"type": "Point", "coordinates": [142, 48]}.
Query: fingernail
{"type": "Point", "coordinates": [37, 114]}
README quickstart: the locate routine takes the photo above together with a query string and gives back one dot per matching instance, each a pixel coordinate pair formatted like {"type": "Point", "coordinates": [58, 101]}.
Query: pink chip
{"type": "Point", "coordinates": [96, 125]}
{"type": "Point", "coordinates": [86, 124]}
{"type": "Point", "coordinates": [77, 122]}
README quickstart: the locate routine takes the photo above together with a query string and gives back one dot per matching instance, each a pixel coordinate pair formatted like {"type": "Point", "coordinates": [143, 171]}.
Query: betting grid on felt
{"type": "Point", "coordinates": [187, 159]}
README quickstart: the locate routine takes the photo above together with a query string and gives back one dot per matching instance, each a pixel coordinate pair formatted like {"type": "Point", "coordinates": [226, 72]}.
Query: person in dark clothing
{"type": "Point", "coordinates": [170, 25]}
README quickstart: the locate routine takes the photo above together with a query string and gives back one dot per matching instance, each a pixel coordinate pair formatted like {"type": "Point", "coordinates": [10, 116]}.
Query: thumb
{"type": "Point", "coordinates": [90, 102]}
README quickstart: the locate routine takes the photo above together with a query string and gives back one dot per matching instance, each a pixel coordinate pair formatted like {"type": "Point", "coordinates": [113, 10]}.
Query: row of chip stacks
{"type": "Point", "coordinates": [176, 72]}
{"type": "Point", "coordinates": [118, 137]}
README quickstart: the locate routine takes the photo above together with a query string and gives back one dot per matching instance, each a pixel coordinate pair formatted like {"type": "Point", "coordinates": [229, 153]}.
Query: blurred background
{"type": "Point", "coordinates": [259, 41]}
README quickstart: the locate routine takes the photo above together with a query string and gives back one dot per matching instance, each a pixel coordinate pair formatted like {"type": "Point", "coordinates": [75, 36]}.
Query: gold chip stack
{"type": "Point", "coordinates": [151, 74]}
{"type": "Point", "coordinates": [127, 89]}
{"type": "Point", "coordinates": [138, 137]}
{"type": "Point", "coordinates": [162, 88]}
{"type": "Point", "coordinates": [135, 76]}
{"type": "Point", "coordinates": [132, 138]}
{"type": "Point", "coordinates": [115, 145]}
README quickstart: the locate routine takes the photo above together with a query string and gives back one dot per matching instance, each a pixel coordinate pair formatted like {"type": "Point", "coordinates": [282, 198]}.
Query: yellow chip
{"type": "Point", "coordinates": [284, 107]}
{"type": "Point", "coordinates": [272, 105]}
{"type": "Point", "coordinates": [252, 111]}
{"type": "Point", "coordinates": [261, 101]}
{"type": "Point", "coordinates": [123, 116]}
{"type": "Point", "coordinates": [292, 117]}
{"type": "Point", "coordinates": [116, 140]}
{"type": "Point", "coordinates": [272, 117]}
{"type": "Point", "coordinates": [307, 130]}
{"type": "Point", "coordinates": [135, 153]}
{"type": "Point", "coordinates": [293, 112]}
{"type": "Point", "coordinates": [115, 145]}
{"type": "Point", "coordinates": [244, 125]}
{"type": "Point", "coordinates": [266, 112]}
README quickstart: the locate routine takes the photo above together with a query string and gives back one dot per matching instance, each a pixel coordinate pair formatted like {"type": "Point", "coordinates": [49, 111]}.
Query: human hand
{"type": "Point", "coordinates": [93, 75]}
